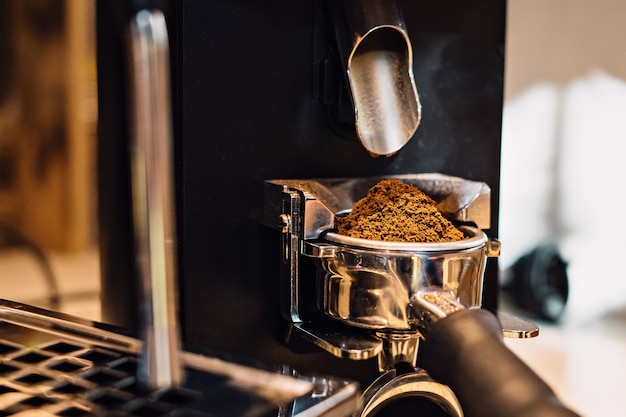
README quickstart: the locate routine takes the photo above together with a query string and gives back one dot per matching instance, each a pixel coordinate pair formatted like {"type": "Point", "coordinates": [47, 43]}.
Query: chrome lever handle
{"type": "Point", "coordinates": [152, 180]}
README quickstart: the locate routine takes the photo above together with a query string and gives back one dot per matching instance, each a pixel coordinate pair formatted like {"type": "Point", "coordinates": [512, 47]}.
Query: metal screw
{"type": "Point", "coordinates": [284, 222]}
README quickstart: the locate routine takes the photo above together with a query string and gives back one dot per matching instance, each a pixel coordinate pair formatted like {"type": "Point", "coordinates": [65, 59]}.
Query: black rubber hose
{"type": "Point", "coordinates": [466, 352]}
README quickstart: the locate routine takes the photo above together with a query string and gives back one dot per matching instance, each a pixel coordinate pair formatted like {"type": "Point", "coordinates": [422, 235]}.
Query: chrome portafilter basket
{"type": "Point", "coordinates": [370, 284]}
{"type": "Point", "coordinates": [375, 286]}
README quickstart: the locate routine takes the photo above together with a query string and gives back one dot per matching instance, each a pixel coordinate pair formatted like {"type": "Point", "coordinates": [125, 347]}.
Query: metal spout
{"type": "Point", "coordinates": [378, 59]}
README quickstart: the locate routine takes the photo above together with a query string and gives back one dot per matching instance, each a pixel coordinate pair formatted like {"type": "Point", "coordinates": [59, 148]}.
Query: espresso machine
{"type": "Point", "coordinates": [277, 117]}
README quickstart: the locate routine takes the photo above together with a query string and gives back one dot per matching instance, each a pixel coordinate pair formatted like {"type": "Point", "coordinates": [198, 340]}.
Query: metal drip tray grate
{"type": "Point", "coordinates": [64, 378]}
{"type": "Point", "coordinates": [50, 366]}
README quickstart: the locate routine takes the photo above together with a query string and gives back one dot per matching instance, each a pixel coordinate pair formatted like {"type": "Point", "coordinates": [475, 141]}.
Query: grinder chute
{"type": "Point", "coordinates": [377, 59]}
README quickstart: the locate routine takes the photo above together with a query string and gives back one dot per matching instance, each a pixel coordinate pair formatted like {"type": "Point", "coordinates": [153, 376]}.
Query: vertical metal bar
{"type": "Point", "coordinates": [153, 200]}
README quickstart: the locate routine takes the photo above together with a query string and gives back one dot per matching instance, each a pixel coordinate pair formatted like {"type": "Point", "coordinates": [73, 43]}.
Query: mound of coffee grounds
{"type": "Point", "coordinates": [393, 210]}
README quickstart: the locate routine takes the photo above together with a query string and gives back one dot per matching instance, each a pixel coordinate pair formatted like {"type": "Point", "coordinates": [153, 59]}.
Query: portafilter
{"type": "Point", "coordinates": [388, 296]}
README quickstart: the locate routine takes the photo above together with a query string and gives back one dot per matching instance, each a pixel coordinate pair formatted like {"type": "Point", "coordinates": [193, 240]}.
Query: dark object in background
{"type": "Point", "coordinates": [538, 283]}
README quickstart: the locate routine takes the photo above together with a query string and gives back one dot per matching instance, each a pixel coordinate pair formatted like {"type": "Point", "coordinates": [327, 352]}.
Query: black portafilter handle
{"type": "Point", "coordinates": [465, 350]}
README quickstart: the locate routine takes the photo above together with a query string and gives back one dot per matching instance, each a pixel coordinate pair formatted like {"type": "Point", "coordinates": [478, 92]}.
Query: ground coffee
{"type": "Point", "coordinates": [393, 210]}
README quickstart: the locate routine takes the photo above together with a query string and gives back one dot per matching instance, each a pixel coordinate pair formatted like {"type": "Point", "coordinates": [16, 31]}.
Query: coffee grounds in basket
{"type": "Point", "coordinates": [393, 210]}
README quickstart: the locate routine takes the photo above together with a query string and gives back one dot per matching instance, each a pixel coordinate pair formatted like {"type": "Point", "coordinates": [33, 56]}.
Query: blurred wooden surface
{"type": "Point", "coordinates": [50, 120]}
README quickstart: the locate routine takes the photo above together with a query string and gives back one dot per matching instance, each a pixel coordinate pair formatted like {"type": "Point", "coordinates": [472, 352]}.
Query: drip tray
{"type": "Point", "coordinates": [56, 365]}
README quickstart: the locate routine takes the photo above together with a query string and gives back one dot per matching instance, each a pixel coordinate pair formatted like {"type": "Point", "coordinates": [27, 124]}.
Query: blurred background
{"type": "Point", "coordinates": [48, 111]}
{"type": "Point", "coordinates": [563, 141]}
{"type": "Point", "coordinates": [561, 190]}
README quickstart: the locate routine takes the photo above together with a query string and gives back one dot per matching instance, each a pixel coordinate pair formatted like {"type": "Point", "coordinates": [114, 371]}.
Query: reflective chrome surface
{"type": "Point", "coordinates": [514, 327]}
{"type": "Point", "coordinates": [473, 239]}
{"type": "Point", "coordinates": [152, 177]}
{"type": "Point", "coordinates": [379, 67]}
{"type": "Point", "coordinates": [398, 347]}
{"type": "Point", "coordinates": [390, 388]}
{"type": "Point", "coordinates": [372, 288]}
{"type": "Point", "coordinates": [330, 397]}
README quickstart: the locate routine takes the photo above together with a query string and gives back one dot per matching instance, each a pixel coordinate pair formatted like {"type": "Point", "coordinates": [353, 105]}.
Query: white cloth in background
{"type": "Point", "coordinates": [591, 186]}
{"type": "Point", "coordinates": [529, 130]}
{"type": "Point", "coordinates": [564, 179]}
